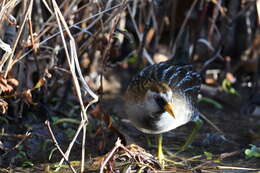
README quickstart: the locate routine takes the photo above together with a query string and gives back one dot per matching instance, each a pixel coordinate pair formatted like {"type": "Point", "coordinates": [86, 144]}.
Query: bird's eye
{"type": "Point", "coordinates": [160, 101]}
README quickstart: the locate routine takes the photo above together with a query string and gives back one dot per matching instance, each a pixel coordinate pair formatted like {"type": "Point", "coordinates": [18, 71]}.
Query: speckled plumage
{"type": "Point", "coordinates": [176, 84]}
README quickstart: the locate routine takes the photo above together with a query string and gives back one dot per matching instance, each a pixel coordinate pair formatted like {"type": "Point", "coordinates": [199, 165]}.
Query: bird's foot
{"type": "Point", "coordinates": [165, 162]}
{"type": "Point", "coordinates": [161, 159]}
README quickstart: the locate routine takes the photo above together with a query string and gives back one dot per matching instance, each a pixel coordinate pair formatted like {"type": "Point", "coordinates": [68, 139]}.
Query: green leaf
{"type": "Point", "coordinates": [66, 120]}
{"type": "Point", "coordinates": [51, 153]}
{"type": "Point", "coordinates": [132, 59]}
{"type": "Point", "coordinates": [252, 152]}
{"type": "Point", "coordinates": [55, 118]}
{"type": "Point", "coordinates": [40, 83]}
{"type": "Point", "coordinates": [2, 119]}
{"type": "Point", "coordinates": [70, 133]}
{"type": "Point", "coordinates": [59, 166]}
{"type": "Point", "coordinates": [209, 155]}
{"type": "Point", "coordinates": [27, 164]}
{"type": "Point", "coordinates": [227, 86]}
{"type": "Point", "coordinates": [211, 101]}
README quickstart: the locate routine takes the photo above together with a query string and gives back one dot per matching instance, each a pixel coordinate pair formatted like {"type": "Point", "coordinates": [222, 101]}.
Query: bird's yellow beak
{"type": "Point", "coordinates": [168, 108]}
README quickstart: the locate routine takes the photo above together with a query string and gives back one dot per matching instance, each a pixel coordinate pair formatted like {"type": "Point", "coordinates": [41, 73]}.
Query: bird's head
{"type": "Point", "coordinates": [159, 99]}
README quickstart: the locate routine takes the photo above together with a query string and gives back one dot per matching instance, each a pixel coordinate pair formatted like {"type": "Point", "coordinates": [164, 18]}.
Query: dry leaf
{"type": "Point", "coordinates": [13, 82]}
{"type": "Point", "coordinates": [3, 106]}
{"type": "Point", "coordinates": [6, 85]}
{"type": "Point", "coordinates": [28, 97]}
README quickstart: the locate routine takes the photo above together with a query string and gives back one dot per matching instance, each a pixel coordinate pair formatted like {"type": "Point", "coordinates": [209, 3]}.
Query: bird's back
{"type": "Point", "coordinates": [179, 78]}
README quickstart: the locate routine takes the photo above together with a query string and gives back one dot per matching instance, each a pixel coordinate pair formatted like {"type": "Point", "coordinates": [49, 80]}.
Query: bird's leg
{"type": "Point", "coordinates": [160, 150]}
{"type": "Point", "coordinates": [198, 124]}
{"type": "Point", "coordinates": [161, 157]}
{"type": "Point", "coordinates": [148, 141]}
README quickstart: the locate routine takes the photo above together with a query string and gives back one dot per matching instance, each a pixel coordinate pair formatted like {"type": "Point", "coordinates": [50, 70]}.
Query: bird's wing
{"type": "Point", "coordinates": [180, 78]}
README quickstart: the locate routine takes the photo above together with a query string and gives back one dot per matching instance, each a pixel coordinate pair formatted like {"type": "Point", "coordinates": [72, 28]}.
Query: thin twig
{"type": "Point", "coordinates": [140, 36]}
{"type": "Point", "coordinates": [71, 26]}
{"type": "Point", "coordinates": [14, 135]}
{"type": "Point", "coordinates": [182, 27]}
{"type": "Point", "coordinates": [117, 145]}
{"type": "Point", "coordinates": [73, 62]}
{"type": "Point", "coordinates": [26, 136]}
{"type": "Point", "coordinates": [237, 168]}
{"type": "Point", "coordinates": [10, 59]}
{"type": "Point", "coordinates": [215, 56]}
{"type": "Point", "coordinates": [212, 124]}
{"type": "Point", "coordinates": [146, 29]}
{"type": "Point", "coordinates": [47, 123]}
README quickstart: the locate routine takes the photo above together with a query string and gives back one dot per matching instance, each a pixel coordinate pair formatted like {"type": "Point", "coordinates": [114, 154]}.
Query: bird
{"type": "Point", "coordinates": [162, 97]}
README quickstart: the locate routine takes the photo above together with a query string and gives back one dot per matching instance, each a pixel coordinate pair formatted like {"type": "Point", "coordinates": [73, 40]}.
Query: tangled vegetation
{"type": "Point", "coordinates": [65, 66]}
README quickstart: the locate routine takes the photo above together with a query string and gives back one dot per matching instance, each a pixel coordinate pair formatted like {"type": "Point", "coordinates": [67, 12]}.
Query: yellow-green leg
{"type": "Point", "coordinates": [198, 124]}
{"type": "Point", "coordinates": [148, 140]}
{"type": "Point", "coordinates": [161, 157]}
